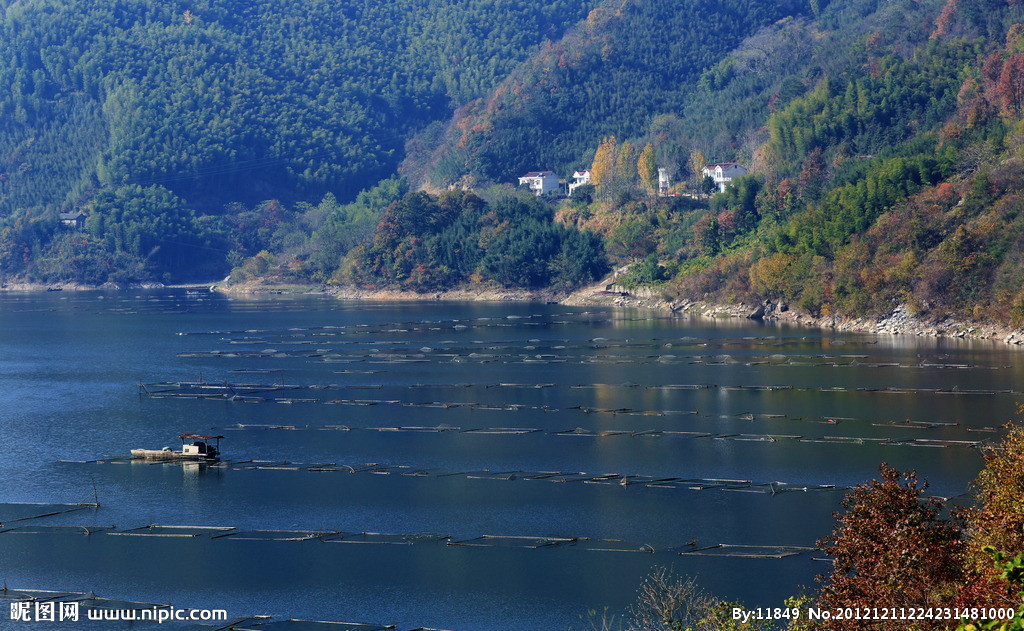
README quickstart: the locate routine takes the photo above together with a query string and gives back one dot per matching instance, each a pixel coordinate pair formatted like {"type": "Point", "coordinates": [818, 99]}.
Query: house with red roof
{"type": "Point", "coordinates": [579, 178]}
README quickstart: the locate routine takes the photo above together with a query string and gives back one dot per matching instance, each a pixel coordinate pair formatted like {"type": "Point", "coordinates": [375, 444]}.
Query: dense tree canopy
{"type": "Point", "coordinates": [428, 243]}
{"type": "Point", "coordinates": [628, 62]}
{"type": "Point", "coordinates": [882, 139]}
{"type": "Point", "coordinates": [241, 101]}
{"type": "Point", "coordinates": [892, 548]}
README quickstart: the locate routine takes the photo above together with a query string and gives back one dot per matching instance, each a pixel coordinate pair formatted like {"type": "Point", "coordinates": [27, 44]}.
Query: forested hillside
{"type": "Point", "coordinates": [239, 101]}
{"type": "Point", "coordinates": [225, 102]}
{"type": "Point", "coordinates": [628, 62]}
{"type": "Point", "coordinates": [883, 140]}
{"type": "Point", "coordinates": [897, 182]}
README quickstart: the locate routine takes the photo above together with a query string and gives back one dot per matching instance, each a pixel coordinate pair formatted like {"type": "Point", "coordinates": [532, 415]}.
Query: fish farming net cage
{"type": "Point", "coordinates": [84, 600]}
{"type": "Point", "coordinates": [56, 530]}
{"type": "Point", "coordinates": [309, 625]}
{"type": "Point", "coordinates": [749, 551]}
{"type": "Point", "coordinates": [493, 541]}
{"type": "Point", "coordinates": [11, 512]}
{"type": "Point", "coordinates": [89, 601]}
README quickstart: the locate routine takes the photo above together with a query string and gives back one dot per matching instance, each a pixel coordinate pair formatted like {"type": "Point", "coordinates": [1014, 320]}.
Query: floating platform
{"type": "Point", "coordinates": [85, 600]}
{"type": "Point", "coordinates": [309, 625]}
{"type": "Point", "coordinates": [11, 512]}
{"type": "Point", "coordinates": [565, 477]}
{"type": "Point", "coordinates": [279, 535]}
{"type": "Point", "coordinates": [749, 551]}
{"type": "Point", "coordinates": [172, 531]}
{"type": "Point", "coordinates": [74, 530]}
{"type": "Point", "coordinates": [532, 543]}
{"type": "Point", "coordinates": [381, 538]}
{"type": "Point", "coordinates": [321, 537]}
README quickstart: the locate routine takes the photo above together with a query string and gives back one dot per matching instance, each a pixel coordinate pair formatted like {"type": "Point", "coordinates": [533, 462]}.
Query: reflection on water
{"type": "Point", "coordinates": [589, 434]}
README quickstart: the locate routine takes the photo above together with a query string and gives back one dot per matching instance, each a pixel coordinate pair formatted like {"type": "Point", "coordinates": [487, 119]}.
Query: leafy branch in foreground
{"type": "Point", "coordinates": [1012, 570]}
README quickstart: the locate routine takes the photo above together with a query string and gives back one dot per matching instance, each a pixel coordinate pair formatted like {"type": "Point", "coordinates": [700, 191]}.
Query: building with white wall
{"type": "Point", "coordinates": [540, 182]}
{"type": "Point", "coordinates": [724, 172]}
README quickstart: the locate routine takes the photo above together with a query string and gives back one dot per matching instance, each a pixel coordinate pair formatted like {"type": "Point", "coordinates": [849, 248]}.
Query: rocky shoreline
{"type": "Point", "coordinates": [901, 321]}
{"type": "Point", "coordinates": [483, 294]}
{"type": "Point", "coordinates": [8, 287]}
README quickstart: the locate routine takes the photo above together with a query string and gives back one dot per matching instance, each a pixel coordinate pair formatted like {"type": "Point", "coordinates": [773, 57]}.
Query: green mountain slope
{"type": "Point", "coordinates": [883, 138]}
{"type": "Point", "coordinates": [204, 110]}
{"type": "Point", "coordinates": [240, 101]}
{"type": "Point", "coordinates": [895, 182]}
{"type": "Point", "coordinates": [629, 61]}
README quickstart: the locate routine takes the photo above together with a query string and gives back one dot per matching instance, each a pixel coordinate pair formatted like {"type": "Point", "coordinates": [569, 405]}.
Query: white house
{"type": "Point", "coordinates": [724, 172]}
{"type": "Point", "coordinates": [540, 182]}
{"type": "Point", "coordinates": [664, 181]}
{"type": "Point", "coordinates": [579, 178]}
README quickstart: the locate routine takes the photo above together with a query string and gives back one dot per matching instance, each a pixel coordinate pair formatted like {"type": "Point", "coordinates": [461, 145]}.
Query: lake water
{"type": "Point", "coordinates": [462, 421]}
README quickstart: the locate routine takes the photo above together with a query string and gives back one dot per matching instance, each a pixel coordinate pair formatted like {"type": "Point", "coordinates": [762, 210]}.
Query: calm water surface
{"type": "Point", "coordinates": [467, 404]}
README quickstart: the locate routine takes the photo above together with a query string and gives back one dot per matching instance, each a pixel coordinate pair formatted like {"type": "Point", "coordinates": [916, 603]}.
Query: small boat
{"type": "Point", "coordinates": [199, 448]}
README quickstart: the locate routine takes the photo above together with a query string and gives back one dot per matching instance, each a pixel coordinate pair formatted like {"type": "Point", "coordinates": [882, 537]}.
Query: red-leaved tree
{"type": "Point", "coordinates": [892, 548]}
{"type": "Point", "coordinates": [1010, 88]}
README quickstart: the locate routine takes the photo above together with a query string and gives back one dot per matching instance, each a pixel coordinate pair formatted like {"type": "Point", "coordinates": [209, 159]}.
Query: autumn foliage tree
{"type": "Point", "coordinates": [647, 168]}
{"type": "Point", "coordinates": [697, 164]}
{"type": "Point", "coordinates": [892, 548]}
{"type": "Point", "coordinates": [998, 518]}
{"type": "Point", "coordinates": [945, 19]}
{"type": "Point", "coordinates": [615, 167]}
{"type": "Point", "coordinates": [1010, 88]}
{"type": "Point", "coordinates": [626, 165]}
{"type": "Point", "coordinates": [602, 171]}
